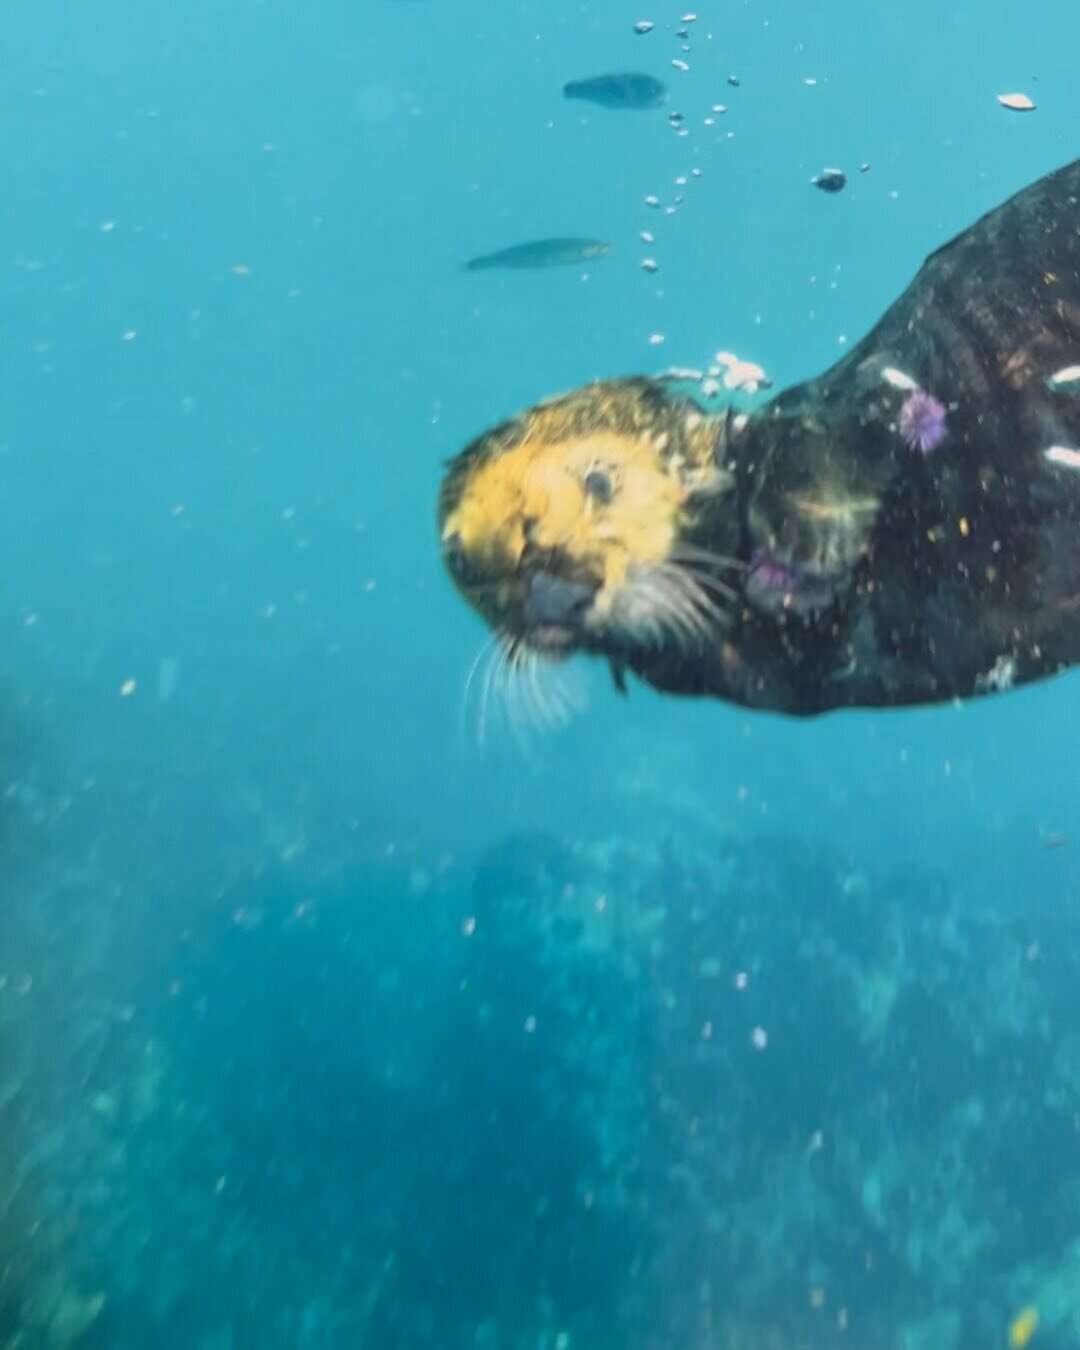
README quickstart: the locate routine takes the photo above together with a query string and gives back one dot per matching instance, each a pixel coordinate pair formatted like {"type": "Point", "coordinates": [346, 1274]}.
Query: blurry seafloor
{"type": "Point", "coordinates": [320, 1026]}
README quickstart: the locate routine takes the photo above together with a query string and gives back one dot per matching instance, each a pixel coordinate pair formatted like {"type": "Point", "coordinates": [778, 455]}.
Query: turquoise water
{"type": "Point", "coordinates": [324, 1020]}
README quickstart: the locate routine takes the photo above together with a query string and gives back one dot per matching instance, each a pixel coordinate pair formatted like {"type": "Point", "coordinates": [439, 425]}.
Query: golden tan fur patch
{"type": "Point", "coordinates": [525, 482]}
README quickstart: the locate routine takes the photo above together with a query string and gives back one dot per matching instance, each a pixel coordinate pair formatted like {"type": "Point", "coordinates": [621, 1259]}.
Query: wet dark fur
{"type": "Point", "coordinates": [937, 604]}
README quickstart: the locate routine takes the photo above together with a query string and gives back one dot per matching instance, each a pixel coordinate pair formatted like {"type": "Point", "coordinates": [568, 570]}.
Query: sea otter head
{"type": "Point", "coordinates": [602, 521]}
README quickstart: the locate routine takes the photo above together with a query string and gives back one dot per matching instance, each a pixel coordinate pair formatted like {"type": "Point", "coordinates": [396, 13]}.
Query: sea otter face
{"type": "Point", "coordinates": [599, 521]}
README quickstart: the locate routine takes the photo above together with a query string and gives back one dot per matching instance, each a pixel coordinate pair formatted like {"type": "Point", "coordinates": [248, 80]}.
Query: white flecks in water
{"type": "Point", "coordinates": [127, 688]}
{"type": "Point", "coordinates": [738, 374]}
{"type": "Point", "coordinates": [1063, 455]}
{"type": "Point", "coordinates": [644, 26]}
{"type": "Point", "coordinates": [655, 339]}
{"type": "Point", "coordinates": [1066, 378]}
{"type": "Point", "coordinates": [647, 237]}
{"type": "Point", "coordinates": [680, 64]}
{"type": "Point", "coordinates": [650, 265]}
{"type": "Point", "coordinates": [652, 200]}
{"type": "Point", "coordinates": [1016, 102]}
{"type": "Point", "coordinates": [759, 1038]}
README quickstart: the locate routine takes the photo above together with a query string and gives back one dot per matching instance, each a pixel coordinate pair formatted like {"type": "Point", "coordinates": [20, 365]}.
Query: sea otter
{"type": "Point", "coordinates": [902, 529]}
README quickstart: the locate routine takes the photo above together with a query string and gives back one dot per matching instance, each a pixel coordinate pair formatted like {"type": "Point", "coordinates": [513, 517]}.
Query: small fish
{"type": "Point", "coordinates": [1016, 102]}
{"type": "Point", "coordinates": [541, 253]}
{"type": "Point", "coordinates": [630, 90]}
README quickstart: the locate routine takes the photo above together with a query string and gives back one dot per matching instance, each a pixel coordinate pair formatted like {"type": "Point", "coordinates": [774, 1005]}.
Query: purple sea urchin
{"type": "Point", "coordinates": [922, 421]}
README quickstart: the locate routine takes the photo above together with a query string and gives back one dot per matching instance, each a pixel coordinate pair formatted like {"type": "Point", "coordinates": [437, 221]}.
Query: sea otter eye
{"type": "Point", "coordinates": [597, 484]}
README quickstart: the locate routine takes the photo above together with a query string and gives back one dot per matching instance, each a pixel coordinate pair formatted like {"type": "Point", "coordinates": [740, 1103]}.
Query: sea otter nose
{"type": "Point", "coordinates": [553, 600]}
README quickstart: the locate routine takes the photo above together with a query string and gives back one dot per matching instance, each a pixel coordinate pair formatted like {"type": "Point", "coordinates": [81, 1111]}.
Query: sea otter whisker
{"type": "Point", "coordinates": [660, 608]}
{"type": "Point", "coordinates": [693, 590]}
{"type": "Point", "coordinates": [684, 552]}
{"type": "Point", "coordinates": [695, 570]}
{"type": "Point", "coordinates": [482, 661]}
{"type": "Point", "coordinates": [494, 680]}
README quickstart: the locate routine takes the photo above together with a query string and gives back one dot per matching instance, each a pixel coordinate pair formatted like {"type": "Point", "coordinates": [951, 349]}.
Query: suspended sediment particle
{"type": "Point", "coordinates": [1016, 102]}
{"type": "Point", "coordinates": [644, 26]}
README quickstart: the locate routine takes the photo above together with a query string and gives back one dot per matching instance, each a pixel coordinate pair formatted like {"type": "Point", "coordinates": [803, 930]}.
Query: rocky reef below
{"type": "Point", "coordinates": [571, 1094]}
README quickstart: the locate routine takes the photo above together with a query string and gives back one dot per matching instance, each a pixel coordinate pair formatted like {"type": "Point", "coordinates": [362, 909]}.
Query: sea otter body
{"type": "Point", "coordinates": [903, 529]}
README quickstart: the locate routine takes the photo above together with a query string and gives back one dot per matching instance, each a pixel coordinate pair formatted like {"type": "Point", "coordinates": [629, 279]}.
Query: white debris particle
{"type": "Point", "coordinates": [647, 237]}
{"type": "Point", "coordinates": [1016, 102]}
{"type": "Point", "coordinates": [759, 1038]}
{"type": "Point", "coordinates": [899, 379]}
{"type": "Point", "coordinates": [1000, 677]}
{"type": "Point", "coordinates": [650, 265]}
{"type": "Point", "coordinates": [530, 1025]}
{"type": "Point", "coordinates": [688, 18]}
{"type": "Point", "coordinates": [679, 64]}
{"type": "Point", "coordinates": [128, 335]}
{"type": "Point", "coordinates": [468, 926]}
{"type": "Point", "coordinates": [680, 373]}
{"type": "Point", "coordinates": [1063, 455]}
{"type": "Point", "coordinates": [1066, 378]}
{"type": "Point", "coordinates": [127, 689]}
{"type": "Point", "coordinates": [655, 339]}
{"type": "Point", "coordinates": [644, 26]}
{"type": "Point", "coordinates": [107, 226]}
{"type": "Point", "coordinates": [742, 979]}
{"type": "Point", "coordinates": [719, 107]}
{"type": "Point", "coordinates": [652, 200]}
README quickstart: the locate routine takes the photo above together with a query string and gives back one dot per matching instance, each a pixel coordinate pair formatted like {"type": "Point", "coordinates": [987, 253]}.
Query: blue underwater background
{"type": "Point", "coordinates": [328, 1021]}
